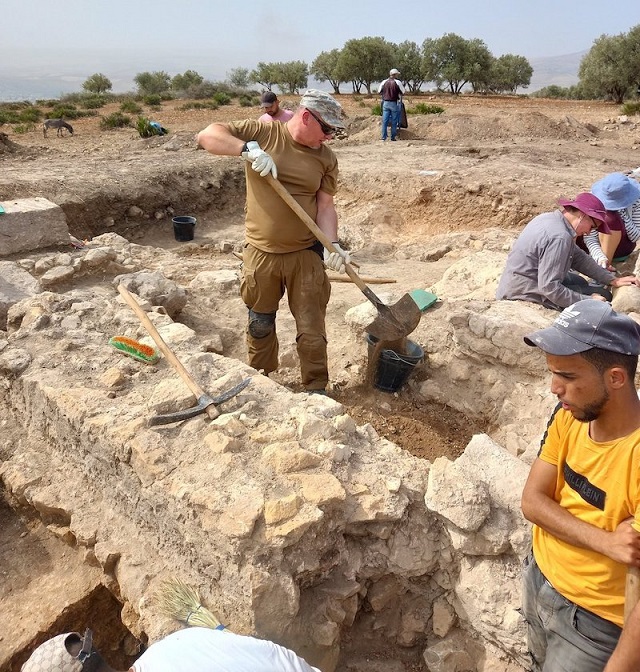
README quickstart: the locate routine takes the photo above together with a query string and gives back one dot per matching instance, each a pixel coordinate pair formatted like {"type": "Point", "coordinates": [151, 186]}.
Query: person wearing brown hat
{"type": "Point", "coordinates": [280, 251]}
{"type": "Point", "coordinates": [546, 266]}
{"type": "Point", "coordinates": [192, 649]}
{"type": "Point", "coordinates": [583, 490]}
{"type": "Point", "coordinates": [272, 111]}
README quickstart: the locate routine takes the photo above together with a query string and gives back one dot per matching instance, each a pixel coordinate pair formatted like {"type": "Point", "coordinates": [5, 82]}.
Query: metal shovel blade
{"type": "Point", "coordinates": [394, 321]}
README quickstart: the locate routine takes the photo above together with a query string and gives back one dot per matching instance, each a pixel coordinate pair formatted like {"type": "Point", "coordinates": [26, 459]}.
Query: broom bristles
{"type": "Point", "coordinates": [180, 601]}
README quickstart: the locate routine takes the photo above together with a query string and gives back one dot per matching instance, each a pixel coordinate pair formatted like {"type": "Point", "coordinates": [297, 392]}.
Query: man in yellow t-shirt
{"type": "Point", "coordinates": [280, 251]}
{"type": "Point", "coordinates": [583, 490]}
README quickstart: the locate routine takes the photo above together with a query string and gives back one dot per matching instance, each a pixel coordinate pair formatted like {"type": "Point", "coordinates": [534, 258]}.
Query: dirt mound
{"type": "Point", "coordinates": [7, 146]}
{"type": "Point", "coordinates": [469, 128]}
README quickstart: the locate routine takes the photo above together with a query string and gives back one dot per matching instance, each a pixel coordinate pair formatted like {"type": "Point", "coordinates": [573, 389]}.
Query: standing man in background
{"type": "Point", "coordinates": [391, 91]}
{"type": "Point", "coordinates": [272, 110]}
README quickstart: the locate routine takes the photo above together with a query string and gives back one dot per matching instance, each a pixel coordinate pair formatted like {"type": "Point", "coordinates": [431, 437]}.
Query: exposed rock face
{"type": "Point", "coordinates": [294, 522]}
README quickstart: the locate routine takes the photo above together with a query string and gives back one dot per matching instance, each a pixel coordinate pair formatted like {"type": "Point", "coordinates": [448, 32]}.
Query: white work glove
{"type": "Point", "coordinates": [336, 260]}
{"type": "Point", "coordinates": [261, 162]}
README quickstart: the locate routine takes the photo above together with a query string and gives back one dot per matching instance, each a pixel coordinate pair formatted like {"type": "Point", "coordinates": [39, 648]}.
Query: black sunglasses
{"type": "Point", "coordinates": [324, 127]}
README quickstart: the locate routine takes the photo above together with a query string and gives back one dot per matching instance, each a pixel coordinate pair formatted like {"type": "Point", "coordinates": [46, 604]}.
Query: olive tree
{"type": "Point", "coordinates": [238, 77]}
{"type": "Point", "coordinates": [188, 79]}
{"type": "Point", "coordinates": [97, 83]}
{"type": "Point", "coordinates": [265, 74]}
{"type": "Point", "coordinates": [454, 61]}
{"type": "Point", "coordinates": [611, 68]}
{"type": "Point", "coordinates": [408, 59]}
{"type": "Point", "coordinates": [325, 68]}
{"type": "Point", "coordinates": [152, 82]}
{"type": "Point", "coordinates": [364, 61]}
{"type": "Point", "coordinates": [508, 72]}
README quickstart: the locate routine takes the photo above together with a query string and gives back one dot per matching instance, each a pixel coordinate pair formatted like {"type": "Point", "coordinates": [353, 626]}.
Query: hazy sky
{"type": "Point", "coordinates": [241, 32]}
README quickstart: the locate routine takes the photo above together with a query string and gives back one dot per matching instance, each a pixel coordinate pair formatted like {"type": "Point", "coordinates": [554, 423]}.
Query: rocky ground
{"type": "Point", "coordinates": [458, 183]}
{"type": "Point", "coordinates": [484, 162]}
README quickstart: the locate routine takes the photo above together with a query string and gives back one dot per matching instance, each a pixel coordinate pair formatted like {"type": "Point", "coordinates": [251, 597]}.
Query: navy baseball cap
{"type": "Point", "coordinates": [585, 325]}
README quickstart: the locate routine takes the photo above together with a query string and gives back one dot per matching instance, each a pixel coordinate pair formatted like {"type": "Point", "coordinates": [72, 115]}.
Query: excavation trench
{"type": "Point", "coordinates": [302, 520]}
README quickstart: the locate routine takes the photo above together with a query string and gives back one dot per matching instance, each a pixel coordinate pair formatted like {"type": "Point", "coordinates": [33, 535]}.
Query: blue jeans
{"type": "Point", "coordinates": [561, 636]}
{"type": "Point", "coordinates": [390, 112]}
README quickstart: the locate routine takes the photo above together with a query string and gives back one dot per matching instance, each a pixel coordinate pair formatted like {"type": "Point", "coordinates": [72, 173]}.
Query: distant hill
{"type": "Point", "coordinates": [25, 77]}
{"type": "Point", "coordinates": [559, 70]}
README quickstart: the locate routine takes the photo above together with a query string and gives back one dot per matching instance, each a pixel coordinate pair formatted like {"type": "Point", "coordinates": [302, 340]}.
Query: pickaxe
{"type": "Point", "coordinates": [206, 404]}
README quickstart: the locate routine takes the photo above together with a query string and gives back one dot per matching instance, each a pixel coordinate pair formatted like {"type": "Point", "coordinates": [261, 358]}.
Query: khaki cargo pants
{"type": "Point", "coordinates": [265, 278]}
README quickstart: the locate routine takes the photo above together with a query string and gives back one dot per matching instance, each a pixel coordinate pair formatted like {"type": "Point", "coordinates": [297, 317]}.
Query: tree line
{"type": "Point", "coordinates": [610, 70]}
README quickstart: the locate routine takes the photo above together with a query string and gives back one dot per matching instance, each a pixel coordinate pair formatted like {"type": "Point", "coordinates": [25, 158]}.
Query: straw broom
{"type": "Point", "coordinates": [182, 602]}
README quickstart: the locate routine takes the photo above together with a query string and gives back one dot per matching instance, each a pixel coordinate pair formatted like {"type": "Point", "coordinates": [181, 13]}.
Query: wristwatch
{"type": "Point", "coordinates": [244, 149]}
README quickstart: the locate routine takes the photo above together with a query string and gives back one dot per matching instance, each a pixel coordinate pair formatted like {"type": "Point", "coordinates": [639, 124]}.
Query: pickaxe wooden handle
{"type": "Point", "coordinates": [632, 591]}
{"type": "Point", "coordinates": [210, 410]}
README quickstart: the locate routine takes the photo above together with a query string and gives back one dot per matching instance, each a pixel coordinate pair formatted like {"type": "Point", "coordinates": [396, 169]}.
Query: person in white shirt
{"type": "Point", "coordinates": [188, 650]}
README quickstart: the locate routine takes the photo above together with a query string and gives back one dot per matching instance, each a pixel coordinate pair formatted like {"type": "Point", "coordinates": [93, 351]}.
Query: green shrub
{"type": "Point", "coordinates": [8, 117]}
{"type": "Point", "coordinates": [94, 102]}
{"type": "Point", "coordinates": [30, 115]}
{"type": "Point", "coordinates": [630, 109]}
{"type": "Point", "coordinates": [23, 128]}
{"type": "Point", "coordinates": [146, 129]}
{"type": "Point", "coordinates": [66, 111]}
{"type": "Point", "coordinates": [423, 108]}
{"type": "Point", "coordinates": [247, 101]}
{"type": "Point", "coordinates": [206, 105]}
{"type": "Point", "coordinates": [376, 110]}
{"type": "Point", "coordinates": [51, 102]}
{"type": "Point", "coordinates": [152, 99]}
{"type": "Point", "coordinates": [115, 120]}
{"type": "Point", "coordinates": [222, 98]}
{"type": "Point", "coordinates": [130, 106]}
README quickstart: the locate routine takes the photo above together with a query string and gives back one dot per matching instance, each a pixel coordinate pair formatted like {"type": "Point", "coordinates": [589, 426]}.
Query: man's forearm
{"type": "Point", "coordinates": [550, 516]}
{"type": "Point", "coordinates": [626, 657]}
{"type": "Point", "coordinates": [217, 139]}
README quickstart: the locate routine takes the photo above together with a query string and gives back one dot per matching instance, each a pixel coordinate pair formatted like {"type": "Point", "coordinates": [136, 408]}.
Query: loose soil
{"type": "Point", "coordinates": [485, 162]}
{"type": "Point", "coordinates": [407, 209]}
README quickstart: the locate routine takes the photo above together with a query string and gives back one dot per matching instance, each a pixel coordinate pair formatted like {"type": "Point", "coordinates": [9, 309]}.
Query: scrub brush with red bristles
{"type": "Point", "coordinates": [140, 351]}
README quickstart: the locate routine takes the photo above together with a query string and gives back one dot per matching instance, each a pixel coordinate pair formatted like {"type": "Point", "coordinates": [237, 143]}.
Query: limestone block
{"type": "Point", "coordinates": [96, 258]}
{"type": "Point", "coordinates": [31, 224]}
{"type": "Point", "coordinates": [216, 281]}
{"type": "Point", "coordinates": [15, 284]}
{"type": "Point", "coordinates": [13, 361]}
{"type": "Point", "coordinates": [239, 517]}
{"type": "Point", "coordinates": [291, 530]}
{"type": "Point", "coordinates": [384, 592]}
{"type": "Point", "coordinates": [626, 299]}
{"type": "Point", "coordinates": [219, 442]}
{"type": "Point", "coordinates": [289, 457]}
{"type": "Point", "coordinates": [444, 617]}
{"type": "Point", "coordinates": [491, 539]}
{"type": "Point", "coordinates": [336, 452]}
{"type": "Point", "coordinates": [277, 510]}
{"type": "Point", "coordinates": [113, 377]}
{"type": "Point", "coordinates": [476, 276]}
{"type": "Point", "coordinates": [487, 596]}
{"type": "Point", "coordinates": [170, 395]}
{"type": "Point", "coordinates": [156, 289]}
{"type": "Point", "coordinates": [56, 275]}
{"type": "Point", "coordinates": [149, 452]}
{"type": "Point", "coordinates": [451, 494]}
{"type": "Point", "coordinates": [321, 489]}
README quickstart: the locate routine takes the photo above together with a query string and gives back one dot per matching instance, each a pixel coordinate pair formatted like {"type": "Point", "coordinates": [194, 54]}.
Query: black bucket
{"type": "Point", "coordinates": [183, 228]}
{"type": "Point", "coordinates": [393, 369]}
